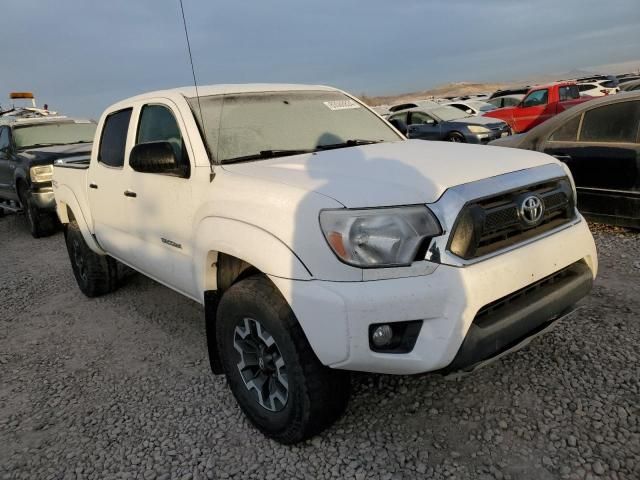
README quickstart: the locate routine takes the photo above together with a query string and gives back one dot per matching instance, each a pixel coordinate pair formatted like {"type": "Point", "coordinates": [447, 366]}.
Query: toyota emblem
{"type": "Point", "coordinates": [531, 210]}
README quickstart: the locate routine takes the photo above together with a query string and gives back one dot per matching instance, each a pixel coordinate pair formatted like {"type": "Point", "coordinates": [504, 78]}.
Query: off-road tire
{"type": "Point", "coordinates": [41, 223]}
{"type": "Point", "coordinates": [317, 395]}
{"type": "Point", "coordinates": [456, 137]}
{"type": "Point", "coordinates": [95, 274]}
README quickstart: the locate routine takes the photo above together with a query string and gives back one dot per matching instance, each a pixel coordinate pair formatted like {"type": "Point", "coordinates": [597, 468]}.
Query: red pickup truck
{"type": "Point", "coordinates": [540, 104]}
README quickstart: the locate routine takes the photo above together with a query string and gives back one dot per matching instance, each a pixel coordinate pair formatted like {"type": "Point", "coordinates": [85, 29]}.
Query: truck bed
{"type": "Point", "coordinates": [70, 187]}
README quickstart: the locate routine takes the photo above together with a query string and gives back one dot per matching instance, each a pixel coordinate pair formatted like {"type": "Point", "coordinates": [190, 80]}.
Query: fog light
{"type": "Point", "coordinates": [382, 336]}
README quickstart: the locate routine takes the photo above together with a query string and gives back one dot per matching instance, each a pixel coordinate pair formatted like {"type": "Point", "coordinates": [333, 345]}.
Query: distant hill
{"type": "Point", "coordinates": [465, 88]}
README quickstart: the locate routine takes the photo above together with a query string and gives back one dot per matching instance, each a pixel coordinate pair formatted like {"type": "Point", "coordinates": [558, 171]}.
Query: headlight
{"type": "Point", "coordinates": [41, 174]}
{"type": "Point", "coordinates": [478, 129]}
{"type": "Point", "coordinates": [384, 237]}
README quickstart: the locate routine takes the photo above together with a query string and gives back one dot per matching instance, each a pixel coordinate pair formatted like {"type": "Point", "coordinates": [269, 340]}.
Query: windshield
{"type": "Point", "coordinates": [53, 134]}
{"type": "Point", "coordinates": [447, 113]}
{"type": "Point", "coordinates": [289, 122]}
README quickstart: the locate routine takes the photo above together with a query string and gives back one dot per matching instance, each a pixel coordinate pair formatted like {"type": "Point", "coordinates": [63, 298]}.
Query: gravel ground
{"type": "Point", "coordinates": [120, 387]}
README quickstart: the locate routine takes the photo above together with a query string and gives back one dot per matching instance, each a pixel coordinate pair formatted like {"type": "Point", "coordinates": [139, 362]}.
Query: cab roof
{"type": "Point", "coordinates": [224, 89]}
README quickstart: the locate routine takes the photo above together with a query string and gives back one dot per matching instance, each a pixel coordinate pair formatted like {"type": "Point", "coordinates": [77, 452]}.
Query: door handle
{"type": "Point", "coordinates": [129, 193]}
{"type": "Point", "coordinates": [93, 185]}
{"type": "Point", "coordinates": [562, 157]}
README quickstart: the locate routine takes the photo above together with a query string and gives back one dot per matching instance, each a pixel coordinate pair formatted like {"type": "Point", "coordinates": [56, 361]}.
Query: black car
{"type": "Point", "coordinates": [28, 147]}
{"type": "Point", "coordinates": [442, 122]}
{"type": "Point", "coordinates": [599, 140]}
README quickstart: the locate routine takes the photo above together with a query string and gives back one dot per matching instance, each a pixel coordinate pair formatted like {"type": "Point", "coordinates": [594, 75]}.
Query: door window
{"type": "Point", "coordinates": [539, 97]}
{"type": "Point", "coordinates": [568, 132]}
{"type": "Point", "coordinates": [4, 139]}
{"type": "Point", "coordinates": [114, 138]}
{"type": "Point", "coordinates": [612, 123]}
{"type": "Point", "coordinates": [158, 124]}
{"type": "Point", "coordinates": [421, 118]}
{"type": "Point", "coordinates": [399, 116]}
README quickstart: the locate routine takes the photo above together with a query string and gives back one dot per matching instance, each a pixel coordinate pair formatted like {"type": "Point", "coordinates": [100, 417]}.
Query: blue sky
{"type": "Point", "coordinates": [82, 55]}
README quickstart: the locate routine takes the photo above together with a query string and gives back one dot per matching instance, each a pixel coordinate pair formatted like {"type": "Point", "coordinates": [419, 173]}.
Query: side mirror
{"type": "Point", "coordinates": [156, 157]}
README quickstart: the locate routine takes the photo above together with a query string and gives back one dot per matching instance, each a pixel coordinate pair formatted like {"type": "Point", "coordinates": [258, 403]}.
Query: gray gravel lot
{"type": "Point", "coordinates": [120, 387]}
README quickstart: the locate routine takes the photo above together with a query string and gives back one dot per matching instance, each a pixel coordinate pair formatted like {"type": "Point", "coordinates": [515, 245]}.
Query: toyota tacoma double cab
{"type": "Point", "coordinates": [539, 104]}
{"type": "Point", "coordinates": [320, 241]}
{"type": "Point", "coordinates": [29, 144]}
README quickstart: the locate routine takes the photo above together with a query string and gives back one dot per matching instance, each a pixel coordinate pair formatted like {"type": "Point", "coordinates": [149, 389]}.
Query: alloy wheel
{"type": "Point", "coordinates": [261, 365]}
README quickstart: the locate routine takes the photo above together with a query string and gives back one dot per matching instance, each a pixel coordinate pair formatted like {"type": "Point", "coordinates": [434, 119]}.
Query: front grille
{"type": "Point", "coordinates": [487, 225]}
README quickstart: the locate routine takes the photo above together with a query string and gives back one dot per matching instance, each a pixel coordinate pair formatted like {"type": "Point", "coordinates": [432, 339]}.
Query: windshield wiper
{"type": "Point", "coordinates": [266, 154]}
{"type": "Point", "coordinates": [348, 143]}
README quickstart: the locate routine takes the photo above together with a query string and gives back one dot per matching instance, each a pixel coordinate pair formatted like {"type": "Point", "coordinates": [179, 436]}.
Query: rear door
{"type": "Point", "coordinates": [601, 148]}
{"type": "Point", "coordinates": [107, 185]}
{"type": "Point", "coordinates": [161, 212]}
{"type": "Point", "coordinates": [424, 126]}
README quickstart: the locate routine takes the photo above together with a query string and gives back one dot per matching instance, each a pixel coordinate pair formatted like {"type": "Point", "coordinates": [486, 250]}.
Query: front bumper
{"type": "Point", "coordinates": [44, 198]}
{"type": "Point", "coordinates": [336, 315]}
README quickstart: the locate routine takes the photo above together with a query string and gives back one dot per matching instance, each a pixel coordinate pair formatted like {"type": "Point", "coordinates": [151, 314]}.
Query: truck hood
{"type": "Point", "coordinates": [394, 173]}
{"type": "Point", "coordinates": [48, 155]}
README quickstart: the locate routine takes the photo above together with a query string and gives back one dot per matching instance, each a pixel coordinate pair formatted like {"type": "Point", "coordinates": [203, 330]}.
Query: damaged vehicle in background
{"type": "Point", "coordinates": [29, 144]}
{"type": "Point", "coordinates": [600, 143]}
{"type": "Point", "coordinates": [443, 122]}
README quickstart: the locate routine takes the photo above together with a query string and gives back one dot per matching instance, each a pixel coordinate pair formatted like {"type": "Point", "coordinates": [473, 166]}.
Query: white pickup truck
{"type": "Point", "coordinates": [320, 241]}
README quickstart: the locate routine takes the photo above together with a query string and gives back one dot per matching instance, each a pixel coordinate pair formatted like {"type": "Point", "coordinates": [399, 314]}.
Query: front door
{"type": "Point", "coordinates": [533, 110]}
{"type": "Point", "coordinates": [161, 213]}
{"type": "Point", "coordinates": [424, 126]}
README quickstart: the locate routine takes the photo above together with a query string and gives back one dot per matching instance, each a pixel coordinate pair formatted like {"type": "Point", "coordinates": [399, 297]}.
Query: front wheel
{"type": "Point", "coordinates": [41, 223]}
{"type": "Point", "coordinates": [95, 274]}
{"type": "Point", "coordinates": [271, 369]}
{"type": "Point", "coordinates": [456, 137]}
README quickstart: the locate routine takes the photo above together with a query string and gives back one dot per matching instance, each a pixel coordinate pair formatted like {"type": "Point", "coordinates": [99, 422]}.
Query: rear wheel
{"type": "Point", "coordinates": [271, 369]}
{"type": "Point", "coordinates": [41, 223]}
{"type": "Point", "coordinates": [95, 274]}
{"type": "Point", "coordinates": [456, 137]}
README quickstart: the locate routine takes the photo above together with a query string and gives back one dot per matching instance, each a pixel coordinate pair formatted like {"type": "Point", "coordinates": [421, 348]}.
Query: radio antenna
{"type": "Point", "coordinates": [195, 82]}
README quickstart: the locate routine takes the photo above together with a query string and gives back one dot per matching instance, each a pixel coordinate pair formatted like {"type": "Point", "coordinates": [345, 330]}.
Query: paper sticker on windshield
{"type": "Point", "coordinates": [341, 104]}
